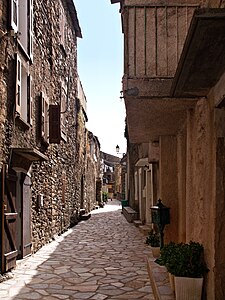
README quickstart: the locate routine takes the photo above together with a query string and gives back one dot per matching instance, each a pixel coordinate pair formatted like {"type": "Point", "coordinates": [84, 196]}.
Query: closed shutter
{"type": "Point", "coordinates": [54, 124]}
{"type": "Point", "coordinates": [18, 85]}
{"type": "Point", "coordinates": [31, 13]}
{"type": "Point", "coordinates": [8, 220]}
{"type": "Point", "coordinates": [42, 115]}
{"type": "Point", "coordinates": [29, 100]}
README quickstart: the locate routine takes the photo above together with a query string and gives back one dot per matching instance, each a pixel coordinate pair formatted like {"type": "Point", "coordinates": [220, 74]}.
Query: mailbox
{"type": "Point", "coordinates": [160, 214]}
{"type": "Point", "coordinates": [160, 217]}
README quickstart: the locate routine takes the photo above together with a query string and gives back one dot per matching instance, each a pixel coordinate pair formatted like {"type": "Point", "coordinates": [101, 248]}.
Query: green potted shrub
{"type": "Point", "coordinates": [185, 262]}
{"type": "Point", "coordinates": [166, 254]}
{"type": "Point", "coordinates": [153, 240]}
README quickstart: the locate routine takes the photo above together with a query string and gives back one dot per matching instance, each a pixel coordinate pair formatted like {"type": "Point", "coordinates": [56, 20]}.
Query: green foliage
{"type": "Point", "coordinates": [185, 260]}
{"type": "Point", "coordinates": [104, 196]}
{"type": "Point", "coordinates": [166, 253]}
{"type": "Point", "coordinates": [153, 239]}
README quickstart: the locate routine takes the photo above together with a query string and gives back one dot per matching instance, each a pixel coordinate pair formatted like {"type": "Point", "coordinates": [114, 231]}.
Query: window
{"type": "Point", "coordinates": [14, 15]}
{"type": "Point", "coordinates": [24, 103]}
{"type": "Point", "coordinates": [22, 23]}
{"type": "Point", "coordinates": [64, 108]}
{"type": "Point", "coordinates": [44, 117]}
{"type": "Point", "coordinates": [62, 26]}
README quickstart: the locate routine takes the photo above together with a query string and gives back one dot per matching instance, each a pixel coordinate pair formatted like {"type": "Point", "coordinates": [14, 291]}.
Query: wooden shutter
{"type": "Point", "coordinates": [54, 124]}
{"type": "Point", "coordinates": [9, 223]}
{"type": "Point", "coordinates": [14, 16]}
{"type": "Point", "coordinates": [18, 85]}
{"type": "Point", "coordinates": [31, 13]}
{"type": "Point", "coordinates": [42, 100]}
{"type": "Point", "coordinates": [29, 100]}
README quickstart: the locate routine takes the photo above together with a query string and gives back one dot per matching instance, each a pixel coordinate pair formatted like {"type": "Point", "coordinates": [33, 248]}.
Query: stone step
{"type": "Point", "coordinates": [85, 217]}
{"type": "Point", "coordinates": [145, 229]}
{"type": "Point", "coordinates": [137, 223]}
{"type": "Point", "coordinates": [130, 214]}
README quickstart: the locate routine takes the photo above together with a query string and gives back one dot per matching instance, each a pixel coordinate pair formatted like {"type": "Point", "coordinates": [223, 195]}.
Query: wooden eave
{"type": "Point", "coordinates": [73, 14]}
{"type": "Point", "coordinates": [202, 61]}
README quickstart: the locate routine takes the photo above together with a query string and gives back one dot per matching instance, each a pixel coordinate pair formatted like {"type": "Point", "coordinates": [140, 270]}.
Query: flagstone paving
{"type": "Point", "coordinates": [101, 258]}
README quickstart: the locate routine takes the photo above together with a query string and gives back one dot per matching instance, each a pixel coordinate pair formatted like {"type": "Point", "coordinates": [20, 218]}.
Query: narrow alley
{"type": "Point", "coordinates": [101, 258]}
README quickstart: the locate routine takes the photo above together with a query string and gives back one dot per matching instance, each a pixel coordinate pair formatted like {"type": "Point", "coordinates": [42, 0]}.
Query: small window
{"type": "Point", "coordinates": [22, 22]}
{"type": "Point", "coordinates": [44, 118]}
{"type": "Point", "coordinates": [23, 97]}
{"type": "Point", "coordinates": [14, 15]}
{"type": "Point", "coordinates": [64, 108]}
{"type": "Point", "coordinates": [62, 25]}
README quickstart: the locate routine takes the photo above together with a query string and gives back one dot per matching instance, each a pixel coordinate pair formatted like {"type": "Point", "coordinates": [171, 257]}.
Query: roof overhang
{"type": "Point", "coordinates": [202, 61]}
{"type": "Point", "coordinates": [74, 17]}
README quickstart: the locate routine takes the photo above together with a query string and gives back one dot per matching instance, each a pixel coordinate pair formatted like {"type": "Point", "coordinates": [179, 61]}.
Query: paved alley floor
{"type": "Point", "coordinates": [101, 258]}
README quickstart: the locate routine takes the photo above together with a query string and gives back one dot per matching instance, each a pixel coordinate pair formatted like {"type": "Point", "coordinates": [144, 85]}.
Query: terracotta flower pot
{"type": "Point", "coordinates": [155, 252]}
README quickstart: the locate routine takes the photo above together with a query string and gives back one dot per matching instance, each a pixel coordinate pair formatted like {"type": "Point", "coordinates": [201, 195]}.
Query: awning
{"type": "Point", "coordinates": [30, 154]}
{"type": "Point", "coordinates": [142, 162]}
{"type": "Point", "coordinates": [202, 61]}
{"type": "Point", "coordinates": [22, 158]}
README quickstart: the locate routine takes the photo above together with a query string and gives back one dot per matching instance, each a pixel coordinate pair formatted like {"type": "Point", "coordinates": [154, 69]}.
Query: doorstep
{"type": "Point", "coordinates": [159, 279]}
{"type": "Point", "coordinates": [137, 223]}
{"type": "Point", "coordinates": [145, 229]}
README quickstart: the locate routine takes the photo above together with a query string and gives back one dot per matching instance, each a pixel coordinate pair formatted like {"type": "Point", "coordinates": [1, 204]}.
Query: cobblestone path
{"type": "Point", "coordinates": [102, 258]}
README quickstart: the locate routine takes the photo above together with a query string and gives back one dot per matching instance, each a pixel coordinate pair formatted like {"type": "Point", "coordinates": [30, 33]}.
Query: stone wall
{"type": "Point", "coordinates": [57, 185]}
{"type": "Point", "coordinates": [200, 201]}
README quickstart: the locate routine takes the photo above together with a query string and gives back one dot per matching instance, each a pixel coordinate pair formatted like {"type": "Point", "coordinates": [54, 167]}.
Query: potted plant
{"type": "Point", "coordinates": [166, 254]}
{"type": "Point", "coordinates": [186, 263]}
{"type": "Point", "coordinates": [153, 240]}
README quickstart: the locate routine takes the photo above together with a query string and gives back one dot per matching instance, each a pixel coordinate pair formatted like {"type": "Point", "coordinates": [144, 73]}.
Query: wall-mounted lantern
{"type": "Point", "coordinates": [160, 217]}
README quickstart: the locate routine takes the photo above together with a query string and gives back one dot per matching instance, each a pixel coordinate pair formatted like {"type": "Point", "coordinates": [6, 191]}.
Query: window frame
{"type": "Point", "coordinates": [63, 109]}
{"type": "Point", "coordinates": [44, 104]}
{"type": "Point", "coordinates": [14, 6]}
{"type": "Point", "coordinates": [21, 20]}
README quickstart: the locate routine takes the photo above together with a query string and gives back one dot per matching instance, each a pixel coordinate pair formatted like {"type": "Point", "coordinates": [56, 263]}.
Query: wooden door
{"type": "Point", "coordinates": [8, 220]}
{"type": "Point", "coordinates": [26, 216]}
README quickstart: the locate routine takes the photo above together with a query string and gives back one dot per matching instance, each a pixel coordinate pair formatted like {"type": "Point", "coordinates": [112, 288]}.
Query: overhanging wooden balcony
{"type": "Point", "coordinates": [154, 36]}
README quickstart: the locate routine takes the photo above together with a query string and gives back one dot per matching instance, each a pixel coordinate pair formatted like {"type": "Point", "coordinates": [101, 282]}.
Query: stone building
{"type": "Point", "coordinates": [173, 87]}
{"type": "Point", "coordinates": [111, 175]}
{"type": "Point", "coordinates": [93, 175]}
{"type": "Point", "coordinates": [43, 138]}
